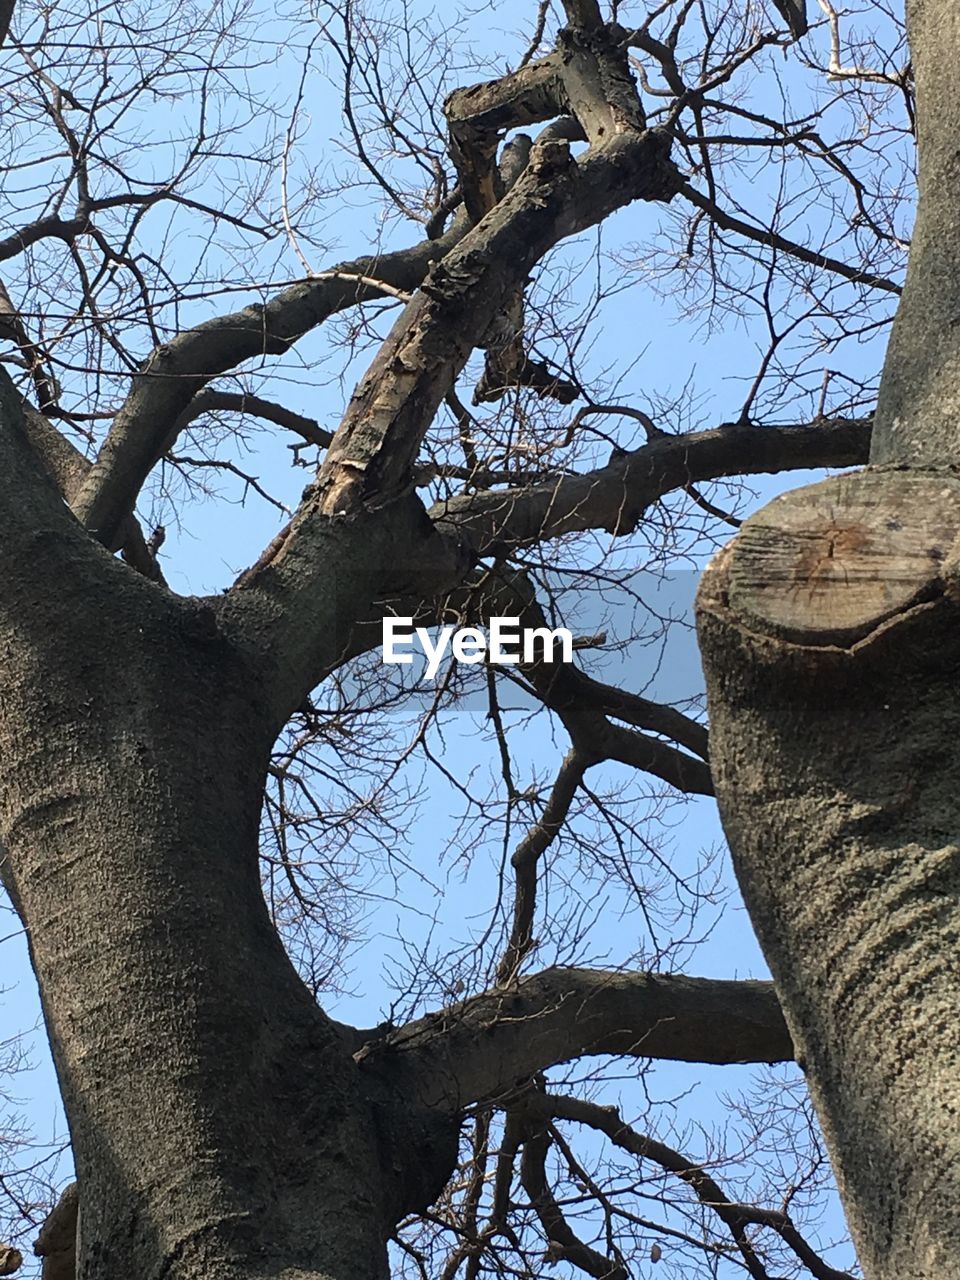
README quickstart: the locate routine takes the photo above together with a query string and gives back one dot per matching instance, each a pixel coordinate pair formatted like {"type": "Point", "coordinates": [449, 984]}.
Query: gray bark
{"type": "Point", "coordinates": [834, 760]}
{"type": "Point", "coordinates": [919, 406]}
{"type": "Point", "coordinates": [829, 632]}
{"type": "Point", "coordinates": [172, 1009]}
{"type": "Point", "coordinates": [221, 1124]}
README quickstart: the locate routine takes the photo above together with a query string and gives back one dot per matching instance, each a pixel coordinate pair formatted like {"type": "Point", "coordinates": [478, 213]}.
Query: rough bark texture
{"type": "Point", "coordinates": [919, 406]}
{"type": "Point", "coordinates": [166, 992]}
{"type": "Point", "coordinates": [829, 632]}
{"type": "Point", "coordinates": [222, 1124]}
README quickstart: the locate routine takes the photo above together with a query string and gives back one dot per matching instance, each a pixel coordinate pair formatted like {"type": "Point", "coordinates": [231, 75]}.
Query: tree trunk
{"type": "Point", "coordinates": [832, 647]}
{"type": "Point", "coordinates": [830, 633]}
{"type": "Point", "coordinates": [133, 751]}
{"type": "Point", "coordinates": [918, 413]}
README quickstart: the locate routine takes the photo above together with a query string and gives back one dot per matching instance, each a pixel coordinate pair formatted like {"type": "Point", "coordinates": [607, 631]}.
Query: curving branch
{"type": "Point", "coordinates": [822, 261]}
{"type": "Point", "coordinates": [526, 861]}
{"type": "Point", "coordinates": [210, 400]}
{"type": "Point", "coordinates": [736, 1216]}
{"type": "Point", "coordinates": [579, 689]}
{"type": "Point", "coordinates": [614, 497]}
{"type": "Point", "coordinates": [564, 1243]}
{"type": "Point", "coordinates": [53, 228]}
{"type": "Point", "coordinates": [650, 755]}
{"type": "Point", "coordinates": [479, 1048]}
{"type": "Point", "coordinates": [147, 424]}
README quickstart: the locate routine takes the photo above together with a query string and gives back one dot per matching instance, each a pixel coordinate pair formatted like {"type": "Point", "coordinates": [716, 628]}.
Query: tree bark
{"type": "Point", "coordinates": [829, 632]}
{"type": "Point", "coordinates": [221, 1124]}
{"type": "Point", "coordinates": [919, 405]}
{"type": "Point", "coordinates": [133, 749]}
{"type": "Point", "coordinates": [830, 639]}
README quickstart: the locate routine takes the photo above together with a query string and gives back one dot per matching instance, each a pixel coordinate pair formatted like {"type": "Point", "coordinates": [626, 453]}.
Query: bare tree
{"type": "Point", "coordinates": [203, 796]}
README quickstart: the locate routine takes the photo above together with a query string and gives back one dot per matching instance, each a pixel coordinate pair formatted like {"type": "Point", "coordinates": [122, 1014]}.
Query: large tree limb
{"type": "Point", "coordinates": [146, 425]}
{"type": "Point", "coordinates": [368, 470]}
{"type": "Point", "coordinates": [369, 467]}
{"type": "Point", "coordinates": [479, 1049]}
{"type": "Point", "coordinates": [614, 497]}
{"type": "Point", "coordinates": [509, 518]}
{"type": "Point", "coordinates": [556, 197]}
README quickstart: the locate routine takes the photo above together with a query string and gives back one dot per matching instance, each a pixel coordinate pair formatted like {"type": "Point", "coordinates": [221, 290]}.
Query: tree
{"type": "Point", "coordinates": [162, 754]}
{"type": "Point", "coordinates": [839, 809]}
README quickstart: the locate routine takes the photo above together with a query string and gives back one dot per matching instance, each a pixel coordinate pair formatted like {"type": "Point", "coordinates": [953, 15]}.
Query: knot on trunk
{"type": "Point", "coordinates": [57, 1242]}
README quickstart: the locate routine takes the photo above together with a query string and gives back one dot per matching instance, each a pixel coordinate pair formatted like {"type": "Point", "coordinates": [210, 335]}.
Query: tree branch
{"type": "Point", "coordinates": [614, 497]}
{"type": "Point", "coordinates": [369, 468]}
{"type": "Point", "coordinates": [67, 468]}
{"type": "Point", "coordinates": [478, 1049]}
{"type": "Point", "coordinates": [581, 689]}
{"type": "Point", "coordinates": [209, 401]}
{"type": "Point", "coordinates": [375, 446]}
{"type": "Point", "coordinates": [54, 228]}
{"type": "Point", "coordinates": [565, 1245]}
{"type": "Point", "coordinates": [737, 1217]}
{"type": "Point", "coordinates": [146, 425]}
{"type": "Point", "coordinates": [727, 222]}
{"type": "Point", "coordinates": [526, 860]}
